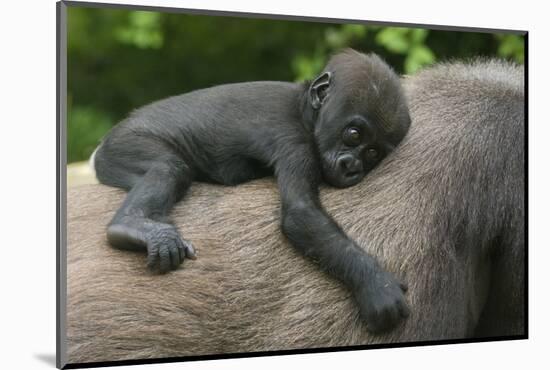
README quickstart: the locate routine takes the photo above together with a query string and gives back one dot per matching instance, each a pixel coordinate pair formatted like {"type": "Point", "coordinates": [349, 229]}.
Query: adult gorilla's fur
{"type": "Point", "coordinates": [445, 213]}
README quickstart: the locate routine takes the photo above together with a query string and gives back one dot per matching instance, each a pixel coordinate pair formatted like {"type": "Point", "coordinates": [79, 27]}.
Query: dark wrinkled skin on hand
{"type": "Point", "coordinates": [166, 250]}
{"type": "Point", "coordinates": [382, 303]}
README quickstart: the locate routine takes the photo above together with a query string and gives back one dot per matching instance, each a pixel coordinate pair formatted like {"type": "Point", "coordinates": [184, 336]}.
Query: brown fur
{"type": "Point", "coordinates": [444, 212]}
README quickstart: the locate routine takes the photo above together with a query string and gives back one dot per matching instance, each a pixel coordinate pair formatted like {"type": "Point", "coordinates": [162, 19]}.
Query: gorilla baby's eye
{"type": "Point", "coordinates": [371, 154]}
{"type": "Point", "coordinates": [352, 136]}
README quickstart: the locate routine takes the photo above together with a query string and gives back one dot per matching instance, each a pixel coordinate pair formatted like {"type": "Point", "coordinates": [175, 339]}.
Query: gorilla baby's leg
{"type": "Point", "coordinates": [140, 223]}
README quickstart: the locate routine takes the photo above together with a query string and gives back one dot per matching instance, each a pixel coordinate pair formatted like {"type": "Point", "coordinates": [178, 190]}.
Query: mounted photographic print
{"type": "Point", "coordinates": [236, 185]}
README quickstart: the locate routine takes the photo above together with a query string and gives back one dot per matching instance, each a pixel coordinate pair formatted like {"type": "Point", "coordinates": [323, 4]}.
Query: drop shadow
{"type": "Point", "coordinates": [47, 358]}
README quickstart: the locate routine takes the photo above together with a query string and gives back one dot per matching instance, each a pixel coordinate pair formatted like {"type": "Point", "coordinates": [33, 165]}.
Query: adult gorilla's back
{"type": "Point", "coordinates": [445, 212]}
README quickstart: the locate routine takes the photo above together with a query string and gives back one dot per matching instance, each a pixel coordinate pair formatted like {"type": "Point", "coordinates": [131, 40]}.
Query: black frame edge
{"type": "Point", "coordinates": [526, 174]}
{"type": "Point", "coordinates": [287, 17]}
{"type": "Point", "coordinates": [61, 191]}
{"type": "Point", "coordinates": [289, 352]}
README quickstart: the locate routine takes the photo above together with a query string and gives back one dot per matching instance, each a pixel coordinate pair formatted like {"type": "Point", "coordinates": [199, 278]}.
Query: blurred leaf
{"type": "Point", "coordinates": [393, 39]}
{"type": "Point", "coordinates": [418, 35]}
{"type": "Point", "coordinates": [143, 30]}
{"type": "Point", "coordinates": [335, 38]}
{"type": "Point", "coordinates": [354, 30]}
{"type": "Point", "coordinates": [340, 37]}
{"type": "Point", "coordinates": [512, 46]}
{"type": "Point", "coordinates": [307, 67]}
{"type": "Point", "coordinates": [419, 56]}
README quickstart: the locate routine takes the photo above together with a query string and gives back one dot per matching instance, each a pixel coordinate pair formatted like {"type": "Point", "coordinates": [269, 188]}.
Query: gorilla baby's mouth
{"type": "Point", "coordinates": [349, 175]}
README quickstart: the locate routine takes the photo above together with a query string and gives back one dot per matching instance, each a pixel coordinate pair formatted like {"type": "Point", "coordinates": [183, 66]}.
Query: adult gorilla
{"type": "Point", "coordinates": [444, 212]}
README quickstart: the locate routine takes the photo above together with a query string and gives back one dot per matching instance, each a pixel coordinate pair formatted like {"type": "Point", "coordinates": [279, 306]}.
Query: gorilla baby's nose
{"type": "Point", "coordinates": [345, 161]}
{"type": "Point", "coordinates": [349, 164]}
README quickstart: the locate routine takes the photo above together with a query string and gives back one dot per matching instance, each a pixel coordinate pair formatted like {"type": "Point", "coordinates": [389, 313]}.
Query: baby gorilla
{"type": "Point", "coordinates": [335, 128]}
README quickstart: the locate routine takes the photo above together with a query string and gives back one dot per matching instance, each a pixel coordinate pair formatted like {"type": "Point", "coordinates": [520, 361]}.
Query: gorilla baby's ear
{"type": "Point", "coordinates": [318, 89]}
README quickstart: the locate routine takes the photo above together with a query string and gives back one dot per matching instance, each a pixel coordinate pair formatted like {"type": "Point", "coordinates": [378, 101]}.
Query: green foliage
{"type": "Point", "coordinates": [418, 57]}
{"type": "Point", "coordinates": [511, 46]}
{"type": "Point", "coordinates": [86, 127]}
{"type": "Point", "coordinates": [411, 43]}
{"type": "Point", "coordinates": [306, 67]}
{"type": "Point", "coordinates": [394, 39]}
{"type": "Point", "coordinates": [120, 59]}
{"type": "Point", "coordinates": [340, 37]}
{"type": "Point", "coordinates": [142, 30]}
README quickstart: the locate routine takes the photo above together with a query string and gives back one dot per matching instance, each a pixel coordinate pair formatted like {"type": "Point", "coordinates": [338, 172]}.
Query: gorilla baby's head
{"type": "Point", "coordinates": [360, 115]}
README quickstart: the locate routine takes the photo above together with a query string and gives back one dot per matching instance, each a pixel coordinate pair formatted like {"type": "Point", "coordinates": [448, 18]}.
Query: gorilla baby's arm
{"type": "Point", "coordinates": [314, 233]}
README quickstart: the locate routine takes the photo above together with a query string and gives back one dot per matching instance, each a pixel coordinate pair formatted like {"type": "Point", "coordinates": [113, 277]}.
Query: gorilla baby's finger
{"type": "Point", "coordinates": [175, 260]}
{"type": "Point", "coordinates": [374, 327]}
{"type": "Point", "coordinates": [404, 309]}
{"type": "Point", "coordinates": [164, 260]}
{"type": "Point", "coordinates": [189, 250]}
{"type": "Point", "coordinates": [152, 259]}
{"type": "Point", "coordinates": [382, 322]}
{"type": "Point", "coordinates": [181, 251]}
{"type": "Point", "coordinates": [391, 318]}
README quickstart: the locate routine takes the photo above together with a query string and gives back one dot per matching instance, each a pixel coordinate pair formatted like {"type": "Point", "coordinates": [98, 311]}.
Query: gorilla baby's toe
{"type": "Point", "coordinates": [166, 250]}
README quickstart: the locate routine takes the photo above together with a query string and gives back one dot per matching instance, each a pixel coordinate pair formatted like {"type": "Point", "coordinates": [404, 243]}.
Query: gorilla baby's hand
{"type": "Point", "coordinates": [166, 249]}
{"type": "Point", "coordinates": [381, 301]}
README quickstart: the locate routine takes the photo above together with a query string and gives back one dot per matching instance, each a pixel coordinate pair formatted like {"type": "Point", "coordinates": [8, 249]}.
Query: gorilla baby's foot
{"type": "Point", "coordinates": [382, 302]}
{"type": "Point", "coordinates": [166, 249]}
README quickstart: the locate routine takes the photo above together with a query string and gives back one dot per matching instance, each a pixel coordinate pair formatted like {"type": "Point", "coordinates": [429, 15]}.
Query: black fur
{"type": "Point", "coordinates": [335, 128]}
